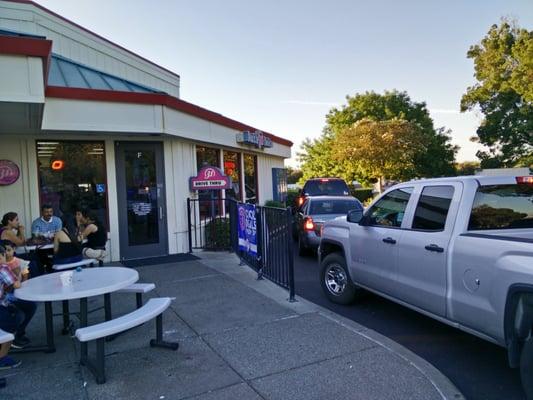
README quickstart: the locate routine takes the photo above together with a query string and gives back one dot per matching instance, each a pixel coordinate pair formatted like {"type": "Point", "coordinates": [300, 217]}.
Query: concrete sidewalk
{"type": "Point", "coordinates": [239, 339]}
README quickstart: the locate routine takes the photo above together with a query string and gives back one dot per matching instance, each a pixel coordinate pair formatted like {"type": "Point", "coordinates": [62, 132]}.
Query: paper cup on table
{"type": "Point", "coordinates": [24, 266]}
{"type": "Point", "coordinates": [66, 278]}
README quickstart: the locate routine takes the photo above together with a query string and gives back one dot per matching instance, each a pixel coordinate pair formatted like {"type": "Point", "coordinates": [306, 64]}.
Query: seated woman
{"type": "Point", "coordinates": [67, 248]}
{"type": "Point", "coordinates": [96, 236]}
{"type": "Point", "coordinates": [12, 230]}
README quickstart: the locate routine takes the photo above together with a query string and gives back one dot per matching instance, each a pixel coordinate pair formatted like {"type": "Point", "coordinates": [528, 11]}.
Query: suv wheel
{"type": "Point", "coordinates": [526, 367]}
{"type": "Point", "coordinates": [336, 281]}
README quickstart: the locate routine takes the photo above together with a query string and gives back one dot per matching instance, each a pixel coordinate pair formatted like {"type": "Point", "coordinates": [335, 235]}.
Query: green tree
{"type": "Point", "coordinates": [503, 63]}
{"type": "Point", "coordinates": [293, 175]}
{"type": "Point", "coordinates": [467, 168]}
{"type": "Point", "coordinates": [317, 158]}
{"type": "Point", "coordinates": [381, 149]}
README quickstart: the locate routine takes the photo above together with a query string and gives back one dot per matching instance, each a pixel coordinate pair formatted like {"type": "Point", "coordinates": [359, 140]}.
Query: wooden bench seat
{"type": "Point", "coordinates": [154, 308]}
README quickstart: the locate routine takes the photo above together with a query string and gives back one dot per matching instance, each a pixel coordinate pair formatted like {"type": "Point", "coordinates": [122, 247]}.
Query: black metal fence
{"type": "Point", "coordinates": [213, 225]}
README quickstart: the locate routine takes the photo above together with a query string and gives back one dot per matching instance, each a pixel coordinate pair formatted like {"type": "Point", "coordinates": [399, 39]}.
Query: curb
{"type": "Point", "coordinates": [246, 276]}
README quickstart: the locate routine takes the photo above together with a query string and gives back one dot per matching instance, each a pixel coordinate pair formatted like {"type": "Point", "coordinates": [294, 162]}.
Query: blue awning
{"type": "Point", "coordinates": [67, 73]}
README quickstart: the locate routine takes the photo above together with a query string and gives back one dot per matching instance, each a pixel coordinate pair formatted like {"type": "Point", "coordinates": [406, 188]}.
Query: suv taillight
{"type": "Point", "coordinates": [300, 201]}
{"type": "Point", "coordinates": [309, 225]}
{"type": "Point", "coordinates": [524, 180]}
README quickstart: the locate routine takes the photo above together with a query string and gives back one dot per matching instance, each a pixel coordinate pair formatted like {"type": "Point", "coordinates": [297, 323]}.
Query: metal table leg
{"type": "Point", "coordinates": [83, 324]}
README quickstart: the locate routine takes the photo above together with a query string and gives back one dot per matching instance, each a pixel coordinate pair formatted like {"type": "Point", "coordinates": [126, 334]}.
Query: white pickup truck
{"type": "Point", "coordinates": [459, 250]}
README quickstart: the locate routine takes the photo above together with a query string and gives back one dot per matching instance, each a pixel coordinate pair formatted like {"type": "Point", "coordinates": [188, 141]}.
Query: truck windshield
{"type": "Point", "coordinates": [502, 207]}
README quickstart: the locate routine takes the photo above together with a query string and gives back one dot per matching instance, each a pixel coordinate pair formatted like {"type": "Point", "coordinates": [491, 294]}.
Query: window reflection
{"type": "Point", "coordinates": [72, 176]}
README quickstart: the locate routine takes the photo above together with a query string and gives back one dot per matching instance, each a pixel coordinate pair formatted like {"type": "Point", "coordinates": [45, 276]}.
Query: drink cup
{"type": "Point", "coordinates": [66, 278]}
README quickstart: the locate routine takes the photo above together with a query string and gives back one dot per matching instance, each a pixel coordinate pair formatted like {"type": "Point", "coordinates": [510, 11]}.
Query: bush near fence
{"type": "Point", "coordinates": [217, 233]}
{"type": "Point", "coordinates": [362, 194]}
{"type": "Point", "coordinates": [274, 203]}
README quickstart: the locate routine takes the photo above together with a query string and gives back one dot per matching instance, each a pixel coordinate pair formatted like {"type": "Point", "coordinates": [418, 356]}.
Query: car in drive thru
{"type": "Point", "coordinates": [458, 249]}
{"type": "Point", "coordinates": [322, 187]}
{"type": "Point", "coordinates": [312, 214]}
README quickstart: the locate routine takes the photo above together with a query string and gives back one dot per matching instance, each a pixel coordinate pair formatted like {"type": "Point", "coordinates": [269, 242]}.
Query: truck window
{"type": "Point", "coordinates": [432, 208]}
{"type": "Point", "coordinates": [390, 209]}
{"type": "Point", "coordinates": [502, 207]}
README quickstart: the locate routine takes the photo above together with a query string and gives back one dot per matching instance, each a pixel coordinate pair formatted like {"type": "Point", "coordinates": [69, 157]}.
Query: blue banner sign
{"type": "Point", "coordinates": [247, 229]}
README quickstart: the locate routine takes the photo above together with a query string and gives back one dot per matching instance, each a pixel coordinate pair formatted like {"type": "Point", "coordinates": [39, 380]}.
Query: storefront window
{"type": "Point", "coordinates": [207, 156]}
{"type": "Point", "coordinates": [250, 178]}
{"type": "Point", "coordinates": [232, 163]}
{"type": "Point", "coordinates": [72, 176]}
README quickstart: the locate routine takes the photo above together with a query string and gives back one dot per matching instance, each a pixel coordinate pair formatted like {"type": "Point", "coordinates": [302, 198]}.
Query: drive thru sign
{"type": "Point", "coordinates": [210, 178]}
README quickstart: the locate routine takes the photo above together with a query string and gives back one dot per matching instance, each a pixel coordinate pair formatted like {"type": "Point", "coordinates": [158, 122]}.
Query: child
{"type": "Point", "coordinates": [8, 313]}
{"type": "Point", "coordinates": [26, 309]}
{"type": "Point", "coordinates": [16, 265]}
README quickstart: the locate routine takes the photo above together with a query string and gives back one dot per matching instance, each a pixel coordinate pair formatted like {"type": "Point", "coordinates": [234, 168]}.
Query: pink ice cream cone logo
{"type": "Point", "coordinates": [9, 172]}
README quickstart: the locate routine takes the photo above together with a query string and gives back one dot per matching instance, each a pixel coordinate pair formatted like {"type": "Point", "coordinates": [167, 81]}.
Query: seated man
{"type": "Point", "coordinates": [47, 224]}
{"type": "Point", "coordinates": [44, 229]}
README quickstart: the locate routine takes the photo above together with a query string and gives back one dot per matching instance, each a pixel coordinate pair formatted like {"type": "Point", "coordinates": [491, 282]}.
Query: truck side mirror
{"type": "Point", "coordinates": [355, 216]}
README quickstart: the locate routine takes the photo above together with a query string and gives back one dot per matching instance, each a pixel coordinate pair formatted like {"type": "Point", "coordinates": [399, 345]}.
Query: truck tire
{"type": "Point", "coordinates": [526, 368]}
{"type": "Point", "coordinates": [336, 281]}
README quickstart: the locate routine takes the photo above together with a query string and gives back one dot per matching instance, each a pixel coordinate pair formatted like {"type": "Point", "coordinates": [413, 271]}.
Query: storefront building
{"type": "Point", "coordinates": [90, 124]}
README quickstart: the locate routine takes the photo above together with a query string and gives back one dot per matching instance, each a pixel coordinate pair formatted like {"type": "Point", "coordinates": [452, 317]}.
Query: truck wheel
{"type": "Point", "coordinates": [336, 281]}
{"type": "Point", "coordinates": [526, 368]}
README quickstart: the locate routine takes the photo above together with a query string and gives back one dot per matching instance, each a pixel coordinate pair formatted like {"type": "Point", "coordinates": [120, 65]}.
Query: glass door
{"type": "Point", "coordinates": [141, 199]}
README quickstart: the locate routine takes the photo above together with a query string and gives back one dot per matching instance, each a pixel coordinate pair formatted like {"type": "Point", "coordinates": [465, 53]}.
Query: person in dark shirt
{"type": "Point", "coordinates": [96, 236]}
{"type": "Point", "coordinates": [67, 247]}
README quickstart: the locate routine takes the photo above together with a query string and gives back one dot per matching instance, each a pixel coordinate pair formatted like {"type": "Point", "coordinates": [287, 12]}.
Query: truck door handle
{"type": "Point", "coordinates": [389, 240]}
{"type": "Point", "coordinates": [435, 248]}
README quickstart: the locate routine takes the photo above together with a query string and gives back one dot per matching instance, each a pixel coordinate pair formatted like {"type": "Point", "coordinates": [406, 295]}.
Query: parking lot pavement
{"type": "Point", "coordinates": [239, 339]}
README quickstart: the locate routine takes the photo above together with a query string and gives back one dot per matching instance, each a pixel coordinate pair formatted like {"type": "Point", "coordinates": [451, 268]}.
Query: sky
{"type": "Point", "coordinates": [281, 65]}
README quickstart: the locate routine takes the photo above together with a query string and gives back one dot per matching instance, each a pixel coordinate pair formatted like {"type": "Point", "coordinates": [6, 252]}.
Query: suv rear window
{"type": "Point", "coordinates": [502, 207]}
{"type": "Point", "coordinates": [333, 206]}
{"type": "Point", "coordinates": [324, 187]}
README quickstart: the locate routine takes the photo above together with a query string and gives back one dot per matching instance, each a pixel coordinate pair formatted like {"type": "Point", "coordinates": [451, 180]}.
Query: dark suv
{"type": "Point", "coordinates": [322, 187]}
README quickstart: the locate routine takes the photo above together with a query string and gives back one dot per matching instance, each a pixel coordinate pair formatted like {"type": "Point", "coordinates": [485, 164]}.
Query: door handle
{"type": "Point", "coordinates": [435, 248]}
{"type": "Point", "coordinates": [389, 240]}
{"type": "Point", "coordinates": [161, 212]}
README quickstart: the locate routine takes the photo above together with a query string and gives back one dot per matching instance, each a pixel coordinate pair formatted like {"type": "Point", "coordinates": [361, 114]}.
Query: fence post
{"type": "Point", "coordinates": [259, 240]}
{"type": "Point", "coordinates": [291, 255]}
{"type": "Point", "coordinates": [189, 221]}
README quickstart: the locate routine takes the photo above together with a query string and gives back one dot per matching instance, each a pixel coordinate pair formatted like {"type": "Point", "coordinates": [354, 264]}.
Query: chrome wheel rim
{"type": "Point", "coordinates": [336, 279]}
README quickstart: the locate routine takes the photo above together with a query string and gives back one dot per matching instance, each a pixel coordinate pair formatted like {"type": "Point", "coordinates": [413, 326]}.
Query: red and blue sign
{"type": "Point", "coordinates": [247, 229]}
{"type": "Point", "coordinates": [210, 178]}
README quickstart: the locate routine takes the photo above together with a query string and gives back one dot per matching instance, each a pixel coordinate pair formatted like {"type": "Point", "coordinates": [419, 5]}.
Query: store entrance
{"type": "Point", "coordinates": [141, 199]}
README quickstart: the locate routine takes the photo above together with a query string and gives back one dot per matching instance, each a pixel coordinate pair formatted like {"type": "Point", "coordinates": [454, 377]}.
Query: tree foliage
{"type": "Point", "coordinates": [467, 168]}
{"type": "Point", "coordinates": [381, 149]}
{"type": "Point", "coordinates": [293, 175]}
{"type": "Point", "coordinates": [503, 63]}
{"type": "Point", "coordinates": [317, 158]}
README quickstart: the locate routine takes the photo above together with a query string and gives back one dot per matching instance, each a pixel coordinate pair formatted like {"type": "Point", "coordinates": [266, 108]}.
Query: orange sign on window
{"type": "Point", "coordinates": [58, 165]}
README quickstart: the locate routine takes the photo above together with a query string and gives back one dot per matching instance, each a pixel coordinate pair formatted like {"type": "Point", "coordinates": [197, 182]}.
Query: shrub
{"type": "Point", "coordinates": [217, 234]}
{"type": "Point", "coordinates": [362, 194]}
{"type": "Point", "coordinates": [291, 197]}
{"type": "Point", "coordinates": [274, 203]}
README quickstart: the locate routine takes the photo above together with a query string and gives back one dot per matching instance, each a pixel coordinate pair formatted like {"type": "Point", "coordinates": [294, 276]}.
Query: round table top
{"type": "Point", "coordinates": [86, 283]}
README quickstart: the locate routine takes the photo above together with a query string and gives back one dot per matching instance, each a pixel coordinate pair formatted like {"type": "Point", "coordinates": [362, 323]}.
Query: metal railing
{"type": "Point", "coordinates": [213, 225]}
{"type": "Point", "coordinates": [274, 259]}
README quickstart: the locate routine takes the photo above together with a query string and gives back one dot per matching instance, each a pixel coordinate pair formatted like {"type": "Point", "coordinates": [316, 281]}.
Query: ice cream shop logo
{"type": "Point", "coordinates": [257, 139]}
{"type": "Point", "coordinates": [210, 178]}
{"type": "Point", "coordinates": [9, 172]}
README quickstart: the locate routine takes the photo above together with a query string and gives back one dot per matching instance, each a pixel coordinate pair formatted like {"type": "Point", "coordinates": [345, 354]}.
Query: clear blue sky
{"type": "Point", "coordinates": [280, 65]}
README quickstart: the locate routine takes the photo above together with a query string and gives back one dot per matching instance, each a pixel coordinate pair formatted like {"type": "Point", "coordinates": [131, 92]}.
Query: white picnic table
{"type": "Point", "coordinates": [86, 283]}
